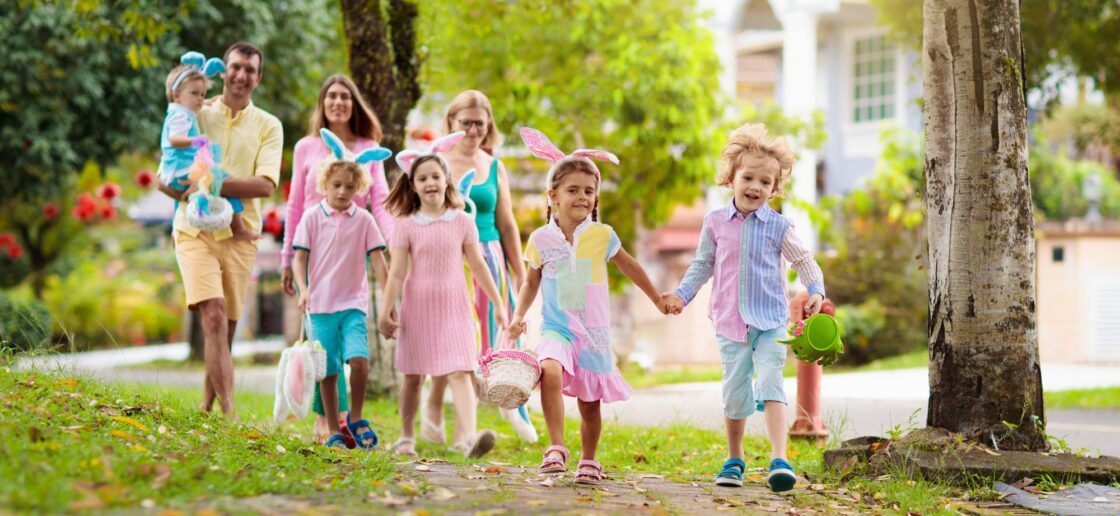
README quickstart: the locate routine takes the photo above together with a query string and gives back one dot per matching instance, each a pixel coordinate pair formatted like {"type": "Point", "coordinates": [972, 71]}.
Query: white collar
{"type": "Point", "coordinates": [424, 220]}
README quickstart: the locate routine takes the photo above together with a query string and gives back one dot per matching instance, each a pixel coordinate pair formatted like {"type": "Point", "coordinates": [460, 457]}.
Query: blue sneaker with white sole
{"type": "Point", "coordinates": [732, 473]}
{"type": "Point", "coordinates": [782, 476]}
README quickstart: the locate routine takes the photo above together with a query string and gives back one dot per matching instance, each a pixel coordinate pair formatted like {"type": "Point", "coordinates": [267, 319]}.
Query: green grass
{"type": "Point", "coordinates": [80, 443]}
{"type": "Point", "coordinates": [1103, 398]}
{"type": "Point", "coordinates": [256, 359]}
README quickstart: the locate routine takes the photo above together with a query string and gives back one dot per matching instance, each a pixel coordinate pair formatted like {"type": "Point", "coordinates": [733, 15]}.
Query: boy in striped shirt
{"type": "Point", "coordinates": [746, 246]}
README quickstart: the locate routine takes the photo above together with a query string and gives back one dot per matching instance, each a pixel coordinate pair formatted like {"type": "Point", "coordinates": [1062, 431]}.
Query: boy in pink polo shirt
{"type": "Point", "coordinates": [332, 242]}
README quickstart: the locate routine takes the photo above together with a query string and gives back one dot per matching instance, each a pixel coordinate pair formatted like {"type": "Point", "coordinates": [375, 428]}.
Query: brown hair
{"type": "Point", "coordinates": [568, 166]}
{"type": "Point", "coordinates": [473, 99]}
{"type": "Point", "coordinates": [752, 139]}
{"type": "Point", "coordinates": [363, 121]}
{"type": "Point", "coordinates": [190, 74]}
{"type": "Point", "coordinates": [331, 168]}
{"type": "Point", "coordinates": [244, 47]}
{"type": "Point", "coordinates": [403, 199]}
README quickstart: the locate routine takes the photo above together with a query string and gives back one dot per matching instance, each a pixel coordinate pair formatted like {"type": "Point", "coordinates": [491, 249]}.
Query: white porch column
{"type": "Point", "coordinates": [799, 99]}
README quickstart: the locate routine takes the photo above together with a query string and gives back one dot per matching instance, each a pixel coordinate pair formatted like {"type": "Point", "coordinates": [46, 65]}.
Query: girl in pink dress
{"type": "Point", "coordinates": [342, 110]}
{"type": "Point", "coordinates": [432, 237]}
{"type": "Point", "coordinates": [568, 262]}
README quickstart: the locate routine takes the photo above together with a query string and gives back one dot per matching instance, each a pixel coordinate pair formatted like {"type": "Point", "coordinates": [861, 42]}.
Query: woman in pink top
{"type": "Point", "coordinates": [342, 110]}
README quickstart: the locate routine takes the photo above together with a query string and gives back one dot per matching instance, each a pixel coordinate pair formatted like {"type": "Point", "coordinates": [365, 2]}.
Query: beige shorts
{"type": "Point", "coordinates": [215, 269]}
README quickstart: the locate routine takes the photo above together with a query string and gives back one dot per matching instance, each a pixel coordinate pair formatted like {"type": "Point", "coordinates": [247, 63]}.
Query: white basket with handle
{"type": "Point", "coordinates": [507, 377]}
{"type": "Point", "coordinates": [218, 215]}
{"type": "Point", "coordinates": [318, 353]}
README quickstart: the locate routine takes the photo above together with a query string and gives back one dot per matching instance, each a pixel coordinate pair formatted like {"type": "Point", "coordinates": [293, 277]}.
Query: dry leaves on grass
{"type": "Point", "coordinates": [442, 495]}
{"type": "Point", "coordinates": [387, 498]}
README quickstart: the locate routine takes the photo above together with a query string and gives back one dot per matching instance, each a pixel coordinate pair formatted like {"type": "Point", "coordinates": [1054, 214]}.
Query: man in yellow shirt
{"type": "Point", "coordinates": [214, 267]}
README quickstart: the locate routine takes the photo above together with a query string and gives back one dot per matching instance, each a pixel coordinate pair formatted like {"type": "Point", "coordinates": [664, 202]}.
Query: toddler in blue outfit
{"type": "Point", "coordinates": [181, 138]}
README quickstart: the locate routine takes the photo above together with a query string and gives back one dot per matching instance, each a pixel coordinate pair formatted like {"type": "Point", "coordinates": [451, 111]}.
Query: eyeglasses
{"type": "Point", "coordinates": [467, 124]}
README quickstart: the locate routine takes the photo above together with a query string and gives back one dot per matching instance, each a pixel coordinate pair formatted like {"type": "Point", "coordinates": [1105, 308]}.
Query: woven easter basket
{"type": "Point", "coordinates": [218, 216]}
{"type": "Point", "coordinates": [507, 377]}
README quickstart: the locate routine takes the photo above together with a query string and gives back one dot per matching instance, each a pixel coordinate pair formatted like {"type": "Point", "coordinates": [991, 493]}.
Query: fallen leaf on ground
{"type": "Point", "coordinates": [280, 448]}
{"type": "Point", "coordinates": [640, 458]}
{"type": "Point", "coordinates": [423, 468]}
{"type": "Point", "coordinates": [548, 482]}
{"type": "Point", "coordinates": [163, 473]}
{"type": "Point", "coordinates": [408, 488]}
{"type": "Point", "coordinates": [69, 382]}
{"type": "Point", "coordinates": [122, 435]}
{"type": "Point", "coordinates": [442, 495]}
{"type": "Point", "coordinates": [495, 470]}
{"type": "Point", "coordinates": [387, 499]}
{"type": "Point", "coordinates": [583, 498]}
{"type": "Point", "coordinates": [130, 422]}
{"type": "Point", "coordinates": [534, 503]}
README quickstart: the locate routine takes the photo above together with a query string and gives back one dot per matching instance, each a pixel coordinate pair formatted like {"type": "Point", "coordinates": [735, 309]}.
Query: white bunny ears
{"type": "Point", "coordinates": [406, 158]}
{"type": "Point", "coordinates": [543, 148]}
{"type": "Point", "coordinates": [197, 61]}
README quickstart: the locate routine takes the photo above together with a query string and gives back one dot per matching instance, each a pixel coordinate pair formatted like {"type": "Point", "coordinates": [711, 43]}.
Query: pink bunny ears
{"type": "Point", "coordinates": [406, 158]}
{"type": "Point", "coordinates": [543, 148]}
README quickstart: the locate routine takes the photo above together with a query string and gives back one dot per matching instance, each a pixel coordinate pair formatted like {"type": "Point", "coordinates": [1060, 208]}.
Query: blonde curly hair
{"type": "Point", "coordinates": [330, 168]}
{"type": "Point", "coordinates": [753, 140]}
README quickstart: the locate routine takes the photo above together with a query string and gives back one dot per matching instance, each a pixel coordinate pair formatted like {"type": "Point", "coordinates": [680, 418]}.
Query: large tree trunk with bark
{"type": "Point", "coordinates": [985, 380]}
{"type": "Point", "coordinates": [385, 66]}
{"type": "Point", "coordinates": [384, 62]}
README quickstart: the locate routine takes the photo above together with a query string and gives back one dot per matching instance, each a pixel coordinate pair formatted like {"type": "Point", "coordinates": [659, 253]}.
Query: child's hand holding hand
{"type": "Point", "coordinates": [500, 317]}
{"type": "Point", "coordinates": [388, 325]}
{"type": "Point", "coordinates": [516, 328]}
{"type": "Point", "coordinates": [813, 306]}
{"type": "Point", "coordinates": [671, 303]}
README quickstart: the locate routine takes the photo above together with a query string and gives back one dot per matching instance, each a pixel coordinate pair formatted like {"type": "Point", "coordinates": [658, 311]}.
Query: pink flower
{"type": "Point", "coordinates": [108, 212]}
{"type": "Point", "coordinates": [15, 251]}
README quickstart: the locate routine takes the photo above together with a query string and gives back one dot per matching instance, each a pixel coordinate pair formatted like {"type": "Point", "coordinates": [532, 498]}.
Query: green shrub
{"type": "Point", "coordinates": [24, 325]}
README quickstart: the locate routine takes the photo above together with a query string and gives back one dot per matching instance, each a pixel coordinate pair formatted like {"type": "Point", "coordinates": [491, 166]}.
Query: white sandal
{"type": "Point", "coordinates": [481, 444]}
{"type": "Point", "coordinates": [405, 441]}
{"type": "Point", "coordinates": [432, 432]}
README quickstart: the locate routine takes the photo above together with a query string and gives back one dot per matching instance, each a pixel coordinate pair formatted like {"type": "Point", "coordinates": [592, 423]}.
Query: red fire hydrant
{"type": "Point", "coordinates": [808, 424]}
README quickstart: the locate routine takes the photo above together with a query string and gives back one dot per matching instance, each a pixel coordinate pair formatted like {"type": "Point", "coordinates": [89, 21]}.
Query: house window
{"type": "Point", "coordinates": [873, 84]}
{"type": "Point", "coordinates": [1058, 254]}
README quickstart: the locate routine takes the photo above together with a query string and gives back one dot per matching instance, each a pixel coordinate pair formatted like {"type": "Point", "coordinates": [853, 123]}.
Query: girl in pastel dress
{"type": "Point", "coordinates": [568, 260]}
{"type": "Point", "coordinates": [432, 237]}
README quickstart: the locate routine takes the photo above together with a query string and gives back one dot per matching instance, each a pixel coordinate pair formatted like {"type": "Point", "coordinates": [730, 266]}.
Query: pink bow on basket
{"type": "Point", "coordinates": [543, 148]}
{"type": "Point", "coordinates": [504, 351]}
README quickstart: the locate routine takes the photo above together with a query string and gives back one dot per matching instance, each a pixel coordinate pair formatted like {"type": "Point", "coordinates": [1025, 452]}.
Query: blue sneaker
{"type": "Point", "coordinates": [782, 477]}
{"type": "Point", "coordinates": [732, 473]}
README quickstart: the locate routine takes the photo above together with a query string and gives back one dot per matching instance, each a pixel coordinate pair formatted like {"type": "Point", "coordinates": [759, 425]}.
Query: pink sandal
{"type": "Point", "coordinates": [590, 472]}
{"type": "Point", "coordinates": [553, 464]}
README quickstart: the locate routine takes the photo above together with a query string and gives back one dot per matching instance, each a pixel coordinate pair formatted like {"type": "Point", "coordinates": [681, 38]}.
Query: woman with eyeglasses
{"type": "Point", "coordinates": [471, 113]}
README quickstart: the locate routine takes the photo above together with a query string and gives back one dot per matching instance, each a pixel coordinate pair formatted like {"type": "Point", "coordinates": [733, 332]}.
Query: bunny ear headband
{"type": "Point", "coordinates": [465, 184]}
{"type": "Point", "coordinates": [197, 61]}
{"type": "Point", "coordinates": [543, 148]}
{"type": "Point", "coordinates": [406, 158]}
{"type": "Point", "coordinates": [340, 153]}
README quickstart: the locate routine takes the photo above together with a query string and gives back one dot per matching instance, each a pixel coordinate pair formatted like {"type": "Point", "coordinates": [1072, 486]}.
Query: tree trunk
{"type": "Point", "coordinates": [384, 63]}
{"type": "Point", "coordinates": [985, 380]}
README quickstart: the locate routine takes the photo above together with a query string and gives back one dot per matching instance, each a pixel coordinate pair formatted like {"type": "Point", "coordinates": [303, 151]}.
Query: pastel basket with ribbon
{"type": "Point", "coordinates": [507, 377]}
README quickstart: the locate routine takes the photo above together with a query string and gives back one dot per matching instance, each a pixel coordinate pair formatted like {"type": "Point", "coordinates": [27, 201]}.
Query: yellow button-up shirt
{"type": "Point", "coordinates": [252, 145]}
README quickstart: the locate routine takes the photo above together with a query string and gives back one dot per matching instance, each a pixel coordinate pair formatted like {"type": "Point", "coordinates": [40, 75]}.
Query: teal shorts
{"type": "Point", "coordinates": [344, 336]}
{"type": "Point", "coordinates": [761, 354]}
